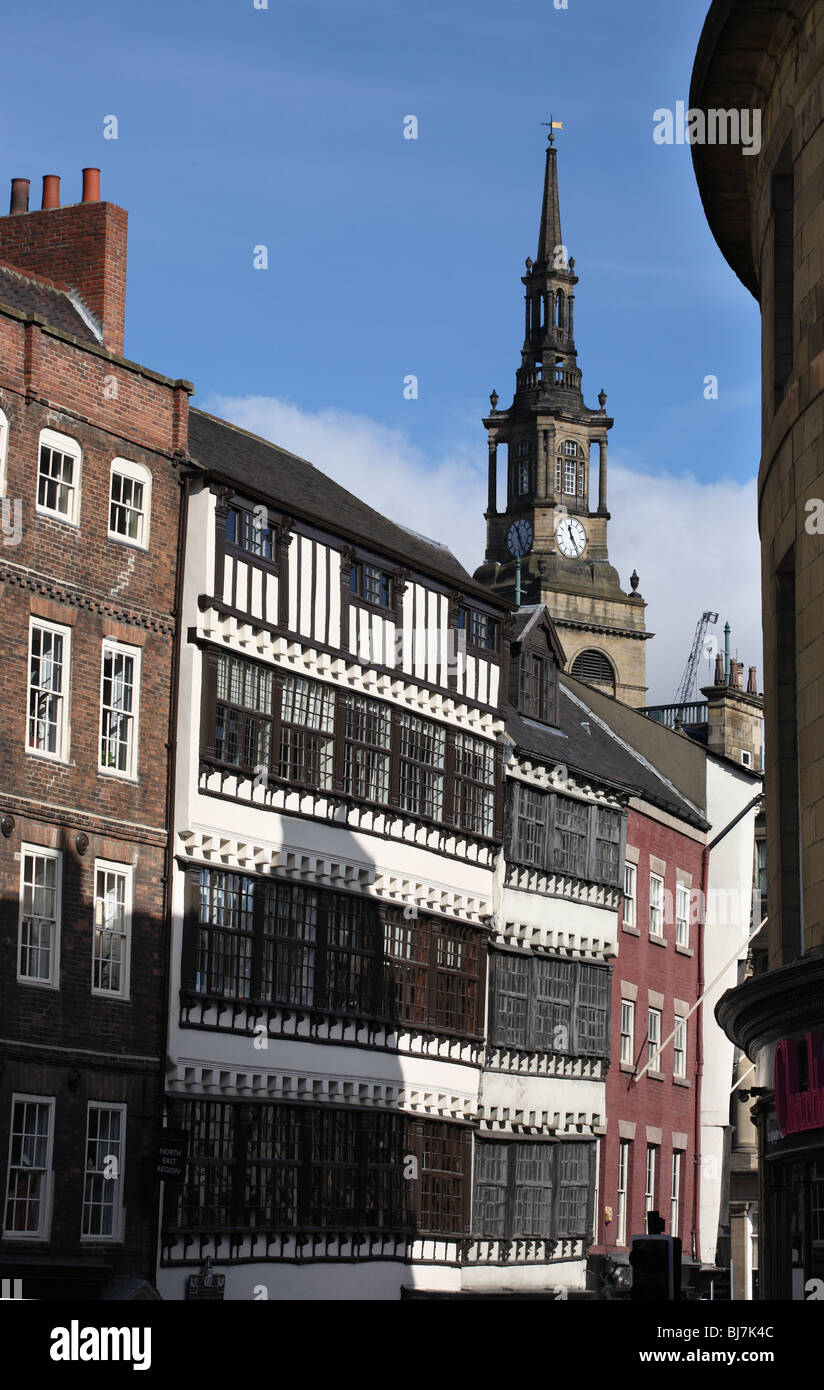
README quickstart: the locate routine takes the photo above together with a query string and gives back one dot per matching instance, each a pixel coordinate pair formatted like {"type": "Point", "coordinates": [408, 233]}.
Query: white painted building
{"type": "Point", "coordinates": [731, 789]}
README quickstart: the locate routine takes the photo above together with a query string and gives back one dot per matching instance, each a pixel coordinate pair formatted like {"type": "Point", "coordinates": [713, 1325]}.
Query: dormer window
{"type": "Point", "coordinates": [480, 628]}
{"type": "Point", "coordinates": [536, 687]}
{"type": "Point", "coordinates": [250, 531]}
{"type": "Point", "coordinates": [371, 584]}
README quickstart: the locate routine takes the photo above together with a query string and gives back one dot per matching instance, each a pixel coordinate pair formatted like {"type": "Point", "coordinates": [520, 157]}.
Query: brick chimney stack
{"type": "Point", "coordinates": [80, 246]}
{"type": "Point", "coordinates": [734, 716]}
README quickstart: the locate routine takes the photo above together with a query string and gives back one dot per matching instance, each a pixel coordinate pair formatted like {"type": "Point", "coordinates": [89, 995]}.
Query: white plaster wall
{"type": "Point", "coordinates": [544, 1096]}
{"type": "Point", "coordinates": [729, 904]}
{"type": "Point", "coordinates": [576, 922]}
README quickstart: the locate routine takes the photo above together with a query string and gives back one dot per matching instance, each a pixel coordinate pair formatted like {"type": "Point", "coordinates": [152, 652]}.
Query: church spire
{"type": "Point", "coordinates": [548, 357]}
{"type": "Point", "coordinates": [550, 240]}
{"type": "Point", "coordinates": [548, 542]}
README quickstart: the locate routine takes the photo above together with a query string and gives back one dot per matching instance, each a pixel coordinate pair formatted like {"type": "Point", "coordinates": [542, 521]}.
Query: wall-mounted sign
{"type": "Point", "coordinates": [170, 1155]}
{"type": "Point", "coordinates": [205, 1287]}
{"type": "Point", "coordinates": [797, 1110]}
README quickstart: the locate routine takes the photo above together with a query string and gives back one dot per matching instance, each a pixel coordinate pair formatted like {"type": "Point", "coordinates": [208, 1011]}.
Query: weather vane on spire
{"type": "Point", "coordinates": [553, 125]}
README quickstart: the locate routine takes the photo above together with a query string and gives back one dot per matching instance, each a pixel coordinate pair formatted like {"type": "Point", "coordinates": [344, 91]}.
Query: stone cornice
{"type": "Point", "coordinates": [778, 1004]}
{"type": "Point", "coordinates": [603, 630]}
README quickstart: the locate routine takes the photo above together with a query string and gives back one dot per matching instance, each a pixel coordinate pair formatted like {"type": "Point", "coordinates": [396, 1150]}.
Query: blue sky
{"type": "Point", "coordinates": [239, 127]}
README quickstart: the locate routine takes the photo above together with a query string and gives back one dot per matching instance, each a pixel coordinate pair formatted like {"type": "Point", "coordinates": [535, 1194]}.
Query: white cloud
{"type": "Point", "coordinates": [693, 544]}
{"type": "Point", "coordinates": [695, 547]}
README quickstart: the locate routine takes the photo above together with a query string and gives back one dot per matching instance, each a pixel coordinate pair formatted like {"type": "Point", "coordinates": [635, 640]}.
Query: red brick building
{"type": "Point", "coordinates": [90, 447]}
{"type": "Point", "coordinates": [650, 1154]}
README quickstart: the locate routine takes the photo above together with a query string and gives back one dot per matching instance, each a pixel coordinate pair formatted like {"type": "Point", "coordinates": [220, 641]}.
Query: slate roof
{"type": "Point", "coordinates": [526, 617]}
{"type": "Point", "coordinates": [583, 745]}
{"type": "Point", "coordinates": [31, 295]}
{"type": "Point", "coordinates": [261, 469]}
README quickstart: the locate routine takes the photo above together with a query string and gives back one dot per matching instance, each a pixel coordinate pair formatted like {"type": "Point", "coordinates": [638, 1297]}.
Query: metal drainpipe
{"type": "Point", "coordinates": [699, 1043]}
{"type": "Point", "coordinates": [699, 1056]}
{"type": "Point", "coordinates": [171, 766]}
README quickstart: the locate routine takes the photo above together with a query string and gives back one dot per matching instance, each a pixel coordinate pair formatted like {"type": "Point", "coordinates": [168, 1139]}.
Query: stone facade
{"type": "Point", "coordinates": [766, 214]}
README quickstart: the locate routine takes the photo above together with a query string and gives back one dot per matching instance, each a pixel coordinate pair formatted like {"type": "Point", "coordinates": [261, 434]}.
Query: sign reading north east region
{"type": "Point", "coordinates": [171, 1155]}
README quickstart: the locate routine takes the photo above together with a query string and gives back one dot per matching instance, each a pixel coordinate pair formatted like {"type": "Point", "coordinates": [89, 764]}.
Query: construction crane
{"type": "Point", "coordinates": [686, 690]}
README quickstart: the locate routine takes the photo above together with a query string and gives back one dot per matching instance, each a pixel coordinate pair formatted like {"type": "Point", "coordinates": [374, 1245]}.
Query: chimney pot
{"type": "Point", "coordinates": [719, 669]}
{"type": "Point", "coordinates": [91, 185]}
{"type": "Point", "coordinates": [752, 688]}
{"type": "Point", "coordinates": [19, 196]}
{"type": "Point", "coordinates": [51, 191]}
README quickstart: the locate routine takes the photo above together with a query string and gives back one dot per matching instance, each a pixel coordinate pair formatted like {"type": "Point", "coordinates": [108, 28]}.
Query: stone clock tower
{"type": "Point", "coordinates": [551, 439]}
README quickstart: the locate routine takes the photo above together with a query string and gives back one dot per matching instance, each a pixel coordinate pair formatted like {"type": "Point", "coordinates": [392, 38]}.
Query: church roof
{"type": "Point", "coordinates": [262, 469]}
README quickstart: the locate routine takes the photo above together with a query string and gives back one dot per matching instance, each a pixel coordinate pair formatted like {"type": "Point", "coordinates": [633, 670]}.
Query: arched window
{"type": "Point", "coordinates": [559, 309]}
{"type": "Point", "coordinates": [595, 668]}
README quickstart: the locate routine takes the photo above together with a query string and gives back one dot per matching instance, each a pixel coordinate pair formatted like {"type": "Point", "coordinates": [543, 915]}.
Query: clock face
{"type": "Point", "coordinates": [519, 538]}
{"type": "Point", "coordinates": [571, 537]}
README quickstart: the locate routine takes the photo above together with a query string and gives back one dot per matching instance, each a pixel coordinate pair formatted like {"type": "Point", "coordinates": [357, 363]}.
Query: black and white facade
{"type": "Point", "coordinates": [338, 815]}
{"type": "Point", "coordinates": [388, 1037]}
{"type": "Point", "coordinates": [553, 939]}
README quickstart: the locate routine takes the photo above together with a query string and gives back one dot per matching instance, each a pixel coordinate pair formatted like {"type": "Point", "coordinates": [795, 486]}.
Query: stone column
{"type": "Point", "coordinates": [571, 317]}
{"type": "Point", "coordinates": [602, 476]}
{"type": "Point", "coordinates": [492, 503]}
{"type": "Point", "coordinates": [549, 457]}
